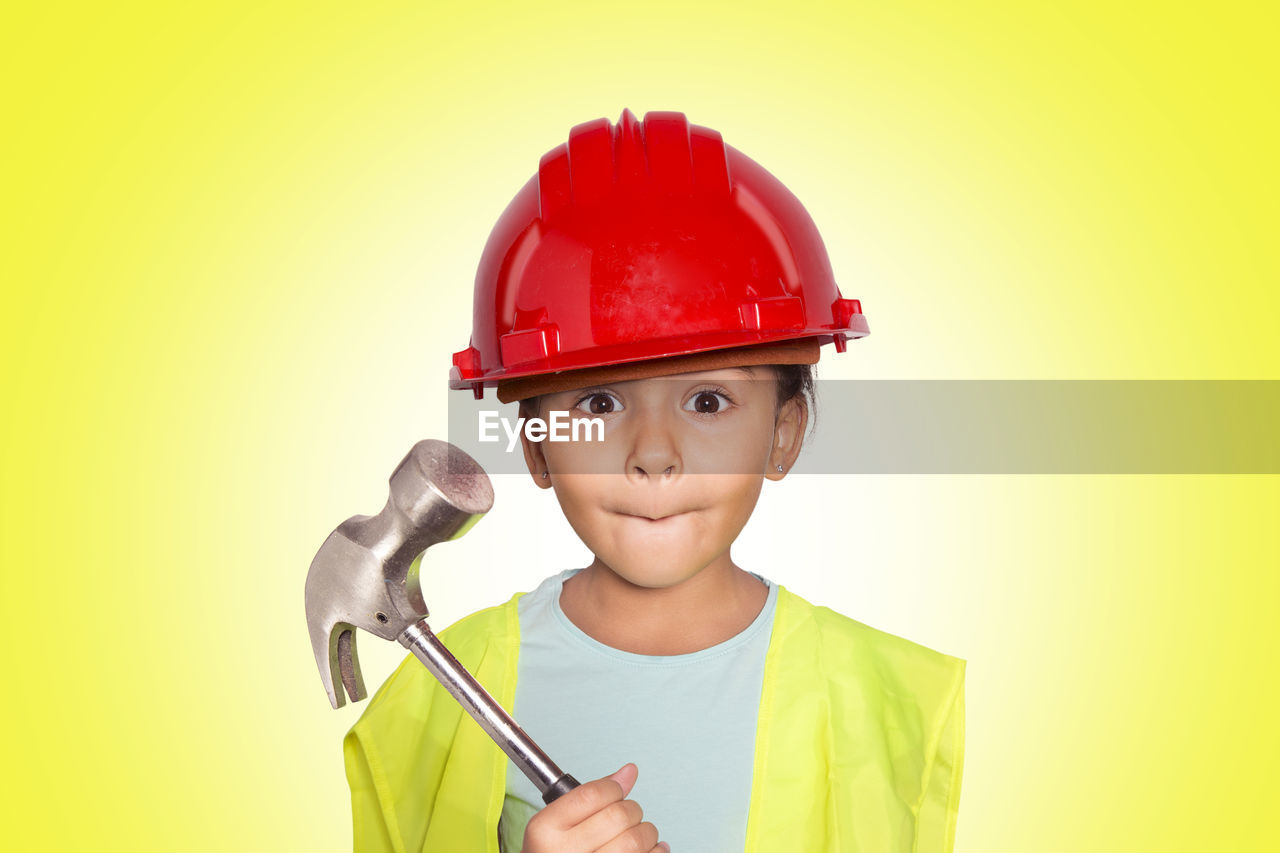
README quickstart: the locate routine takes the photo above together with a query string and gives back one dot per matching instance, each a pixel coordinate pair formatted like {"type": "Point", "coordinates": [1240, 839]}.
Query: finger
{"type": "Point", "coordinates": [639, 838]}
{"type": "Point", "coordinates": [626, 777]}
{"type": "Point", "coordinates": [584, 801]}
{"type": "Point", "coordinates": [607, 824]}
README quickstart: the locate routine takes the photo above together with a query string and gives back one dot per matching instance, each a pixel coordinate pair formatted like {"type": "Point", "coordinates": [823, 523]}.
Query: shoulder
{"type": "Point", "coordinates": [472, 640]}
{"type": "Point", "coordinates": [497, 623]}
{"type": "Point", "coordinates": [798, 615]}
{"type": "Point", "coordinates": [848, 650]}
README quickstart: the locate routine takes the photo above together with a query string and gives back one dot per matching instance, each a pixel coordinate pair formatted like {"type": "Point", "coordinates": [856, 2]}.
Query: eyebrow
{"type": "Point", "coordinates": [746, 369]}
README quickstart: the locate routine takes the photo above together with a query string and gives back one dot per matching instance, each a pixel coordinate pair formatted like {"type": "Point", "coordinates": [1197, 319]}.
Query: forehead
{"type": "Point", "coordinates": [622, 379]}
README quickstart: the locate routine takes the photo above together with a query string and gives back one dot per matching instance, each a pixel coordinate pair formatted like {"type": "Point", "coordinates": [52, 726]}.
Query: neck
{"type": "Point", "coordinates": [717, 603]}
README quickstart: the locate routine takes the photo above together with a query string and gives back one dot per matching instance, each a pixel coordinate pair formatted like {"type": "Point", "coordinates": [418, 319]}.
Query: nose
{"type": "Point", "coordinates": [655, 449]}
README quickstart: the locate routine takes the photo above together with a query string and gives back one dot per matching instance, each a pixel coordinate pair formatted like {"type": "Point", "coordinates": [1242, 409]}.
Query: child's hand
{"type": "Point", "coordinates": [594, 818]}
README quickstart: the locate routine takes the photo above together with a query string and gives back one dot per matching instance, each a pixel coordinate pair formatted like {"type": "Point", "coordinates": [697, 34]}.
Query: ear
{"type": "Point", "coordinates": [788, 436]}
{"type": "Point", "coordinates": [533, 456]}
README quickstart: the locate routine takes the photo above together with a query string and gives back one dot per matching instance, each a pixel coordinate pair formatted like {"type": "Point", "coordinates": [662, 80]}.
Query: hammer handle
{"type": "Point", "coordinates": [550, 780]}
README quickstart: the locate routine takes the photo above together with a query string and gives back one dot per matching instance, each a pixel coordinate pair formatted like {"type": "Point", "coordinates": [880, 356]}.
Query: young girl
{"type": "Point", "coordinates": [656, 279]}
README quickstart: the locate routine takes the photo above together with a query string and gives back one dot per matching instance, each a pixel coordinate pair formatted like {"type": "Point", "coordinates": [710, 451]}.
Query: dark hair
{"type": "Point", "coordinates": [793, 381]}
{"type": "Point", "coordinates": [796, 380]}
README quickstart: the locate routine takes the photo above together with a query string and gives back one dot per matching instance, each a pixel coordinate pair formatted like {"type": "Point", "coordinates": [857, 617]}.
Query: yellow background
{"type": "Point", "coordinates": [238, 250]}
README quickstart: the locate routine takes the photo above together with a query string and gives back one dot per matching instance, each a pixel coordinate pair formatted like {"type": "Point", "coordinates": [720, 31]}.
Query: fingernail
{"type": "Point", "coordinates": [665, 846]}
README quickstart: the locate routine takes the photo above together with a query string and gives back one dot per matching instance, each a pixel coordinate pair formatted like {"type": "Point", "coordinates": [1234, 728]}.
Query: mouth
{"type": "Point", "coordinates": [653, 518]}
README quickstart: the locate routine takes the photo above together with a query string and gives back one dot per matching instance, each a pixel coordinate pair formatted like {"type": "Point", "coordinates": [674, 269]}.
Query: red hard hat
{"type": "Point", "coordinates": [642, 241]}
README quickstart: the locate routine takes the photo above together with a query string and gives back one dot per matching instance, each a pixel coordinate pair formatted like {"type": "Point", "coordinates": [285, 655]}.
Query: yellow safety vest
{"type": "Point", "coordinates": [859, 743]}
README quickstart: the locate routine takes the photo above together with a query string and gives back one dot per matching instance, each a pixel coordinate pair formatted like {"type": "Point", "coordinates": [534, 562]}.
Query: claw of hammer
{"type": "Point", "coordinates": [365, 575]}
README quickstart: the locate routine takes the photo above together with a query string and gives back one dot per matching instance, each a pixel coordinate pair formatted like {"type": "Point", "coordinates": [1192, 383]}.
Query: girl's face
{"type": "Point", "coordinates": [679, 469]}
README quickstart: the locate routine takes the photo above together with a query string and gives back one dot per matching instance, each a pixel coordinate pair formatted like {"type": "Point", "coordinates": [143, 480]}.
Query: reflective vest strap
{"type": "Point", "coordinates": [791, 787]}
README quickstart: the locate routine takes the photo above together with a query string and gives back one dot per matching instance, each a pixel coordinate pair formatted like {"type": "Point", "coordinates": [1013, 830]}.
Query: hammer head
{"type": "Point", "coordinates": [365, 575]}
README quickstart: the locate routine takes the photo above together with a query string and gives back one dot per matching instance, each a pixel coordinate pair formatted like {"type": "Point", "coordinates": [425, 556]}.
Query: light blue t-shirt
{"type": "Point", "coordinates": [687, 721]}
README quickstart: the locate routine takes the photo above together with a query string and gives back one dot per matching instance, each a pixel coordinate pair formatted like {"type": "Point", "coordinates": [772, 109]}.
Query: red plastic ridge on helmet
{"type": "Point", "coordinates": [645, 240]}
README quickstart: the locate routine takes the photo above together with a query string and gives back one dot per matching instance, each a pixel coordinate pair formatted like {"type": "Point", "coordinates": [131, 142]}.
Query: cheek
{"type": "Point", "coordinates": [728, 501]}
{"type": "Point", "coordinates": [581, 497]}
{"type": "Point", "coordinates": [743, 495]}
{"type": "Point", "coordinates": [731, 452]}
{"type": "Point", "coordinates": [573, 492]}
{"type": "Point", "coordinates": [577, 458]}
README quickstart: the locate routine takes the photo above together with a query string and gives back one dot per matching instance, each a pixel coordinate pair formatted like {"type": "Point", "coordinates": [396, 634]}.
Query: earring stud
{"type": "Point", "coordinates": [545, 475]}
{"type": "Point", "coordinates": [779, 467]}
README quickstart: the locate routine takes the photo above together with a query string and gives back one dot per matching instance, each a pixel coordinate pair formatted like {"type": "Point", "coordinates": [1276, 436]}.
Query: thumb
{"type": "Point", "coordinates": [626, 777]}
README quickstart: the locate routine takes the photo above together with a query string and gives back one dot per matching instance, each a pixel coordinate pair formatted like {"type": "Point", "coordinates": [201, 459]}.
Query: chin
{"type": "Point", "coordinates": [656, 568]}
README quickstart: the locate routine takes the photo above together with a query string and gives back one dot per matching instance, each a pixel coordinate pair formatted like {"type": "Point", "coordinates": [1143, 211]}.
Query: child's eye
{"type": "Point", "coordinates": [707, 402]}
{"type": "Point", "coordinates": [599, 403]}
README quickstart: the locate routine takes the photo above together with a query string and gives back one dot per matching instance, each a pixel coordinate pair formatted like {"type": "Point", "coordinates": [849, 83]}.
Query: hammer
{"type": "Point", "coordinates": [366, 575]}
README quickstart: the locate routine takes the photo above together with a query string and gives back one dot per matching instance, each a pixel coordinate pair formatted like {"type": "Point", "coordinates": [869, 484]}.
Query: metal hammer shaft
{"type": "Point", "coordinates": [497, 723]}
